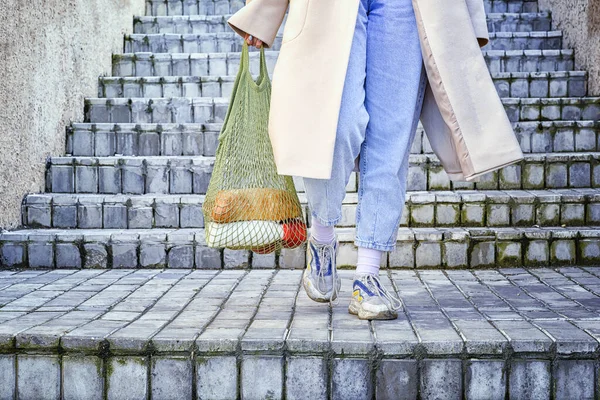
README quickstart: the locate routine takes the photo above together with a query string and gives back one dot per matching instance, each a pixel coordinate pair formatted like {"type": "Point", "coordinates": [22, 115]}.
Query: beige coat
{"type": "Point", "coordinates": [463, 116]}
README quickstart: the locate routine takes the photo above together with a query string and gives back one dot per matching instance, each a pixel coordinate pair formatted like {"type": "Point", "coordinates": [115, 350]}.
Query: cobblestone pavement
{"type": "Point", "coordinates": [532, 332]}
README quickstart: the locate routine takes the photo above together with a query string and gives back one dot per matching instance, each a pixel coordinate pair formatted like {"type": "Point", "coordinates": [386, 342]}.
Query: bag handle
{"type": "Point", "coordinates": [245, 61]}
{"type": "Point", "coordinates": [244, 75]}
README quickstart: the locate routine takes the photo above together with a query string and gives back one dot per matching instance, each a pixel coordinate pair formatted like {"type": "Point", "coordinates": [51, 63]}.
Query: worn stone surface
{"type": "Point", "coordinates": [38, 377]}
{"type": "Point", "coordinates": [533, 315]}
{"type": "Point", "coordinates": [82, 377]}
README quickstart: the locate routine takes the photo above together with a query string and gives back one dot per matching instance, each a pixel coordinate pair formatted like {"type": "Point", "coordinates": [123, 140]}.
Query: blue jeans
{"type": "Point", "coordinates": [381, 105]}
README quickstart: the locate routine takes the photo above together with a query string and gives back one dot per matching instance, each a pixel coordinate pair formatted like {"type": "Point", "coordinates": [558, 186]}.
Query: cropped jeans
{"type": "Point", "coordinates": [381, 105]}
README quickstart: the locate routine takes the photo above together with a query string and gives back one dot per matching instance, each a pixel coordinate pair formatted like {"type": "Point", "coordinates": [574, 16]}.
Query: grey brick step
{"type": "Point", "coordinates": [202, 64]}
{"type": "Point", "coordinates": [192, 7]}
{"type": "Point", "coordinates": [210, 23]}
{"type": "Point", "coordinates": [508, 84]}
{"type": "Point", "coordinates": [231, 41]}
{"type": "Point", "coordinates": [568, 207]}
{"type": "Point", "coordinates": [255, 334]}
{"type": "Point", "coordinates": [212, 7]}
{"type": "Point", "coordinates": [190, 175]}
{"type": "Point", "coordinates": [185, 248]}
{"type": "Point", "coordinates": [103, 140]}
{"type": "Point", "coordinates": [214, 109]}
{"type": "Point", "coordinates": [513, 6]}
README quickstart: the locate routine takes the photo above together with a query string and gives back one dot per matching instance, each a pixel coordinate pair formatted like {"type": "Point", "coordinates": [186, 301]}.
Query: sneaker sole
{"type": "Point", "coordinates": [314, 294]}
{"type": "Point", "coordinates": [355, 309]}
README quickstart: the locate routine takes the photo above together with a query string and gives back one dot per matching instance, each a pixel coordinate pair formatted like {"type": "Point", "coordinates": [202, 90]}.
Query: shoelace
{"type": "Point", "coordinates": [393, 302]}
{"type": "Point", "coordinates": [326, 254]}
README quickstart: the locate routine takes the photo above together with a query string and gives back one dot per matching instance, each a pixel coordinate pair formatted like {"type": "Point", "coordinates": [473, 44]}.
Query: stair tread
{"type": "Point", "coordinates": [263, 311]}
{"type": "Point", "coordinates": [216, 125]}
{"type": "Point", "coordinates": [565, 155]}
{"type": "Point", "coordinates": [343, 232]}
{"type": "Point", "coordinates": [232, 77]}
{"type": "Point", "coordinates": [350, 197]}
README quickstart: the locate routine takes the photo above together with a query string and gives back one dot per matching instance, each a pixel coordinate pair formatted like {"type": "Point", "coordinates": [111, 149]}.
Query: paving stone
{"type": "Point", "coordinates": [441, 379]}
{"type": "Point", "coordinates": [485, 379]}
{"type": "Point", "coordinates": [351, 378]}
{"type": "Point", "coordinates": [574, 379]}
{"type": "Point", "coordinates": [127, 377]}
{"type": "Point", "coordinates": [215, 379]}
{"type": "Point", "coordinates": [7, 377]}
{"type": "Point", "coordinates": [171, 378]}
{"type": "Point", "coordinates": [82, 377]}
{"type": "Point", "coordinates": [262, 377]}
{"type": "Point", "coordinates": [306, 377]}
{"type": "Point", "coordinates": [397, 379]}
{"type": "Point", "coordinates": [38, 377]}
{"type": "Point", "coordinates": [529, 379]}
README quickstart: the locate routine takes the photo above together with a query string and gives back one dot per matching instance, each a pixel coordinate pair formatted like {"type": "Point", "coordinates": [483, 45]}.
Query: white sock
{"type": "Point", "coordinates": [322, 234]}
{"type": "Point", "coordinates": [369, 261]}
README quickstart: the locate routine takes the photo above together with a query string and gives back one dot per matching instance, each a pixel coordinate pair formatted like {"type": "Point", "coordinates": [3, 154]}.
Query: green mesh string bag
{"type": "Point", "coordinates": [248, 205]}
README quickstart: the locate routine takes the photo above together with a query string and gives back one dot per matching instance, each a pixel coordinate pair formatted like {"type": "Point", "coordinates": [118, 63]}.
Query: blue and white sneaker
{"type": "Point", "coordinates": [370, 300]}
{"type": "Point", "coordinates": [321, 280]}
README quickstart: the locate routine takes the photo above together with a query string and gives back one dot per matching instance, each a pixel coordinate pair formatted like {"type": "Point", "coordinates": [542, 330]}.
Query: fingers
{"type": "Point", "coordinates": [252, 41]}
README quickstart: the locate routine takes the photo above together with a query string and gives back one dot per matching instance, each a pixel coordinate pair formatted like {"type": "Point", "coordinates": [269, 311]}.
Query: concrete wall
{"type": "Point", "coordinates": [51, 54]}
{"type": "Point", "coordinates": [580, 22]}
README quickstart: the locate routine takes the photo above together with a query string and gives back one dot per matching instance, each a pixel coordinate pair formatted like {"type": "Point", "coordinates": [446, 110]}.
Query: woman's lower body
{"type": "Point", "coordinates": [379, 113]}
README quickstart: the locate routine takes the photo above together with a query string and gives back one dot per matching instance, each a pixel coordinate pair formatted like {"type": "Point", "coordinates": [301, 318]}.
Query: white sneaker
{"type": "Point", "coordinates": [320, 279]}
{"type": "Point", "coordinates": [370, 300]}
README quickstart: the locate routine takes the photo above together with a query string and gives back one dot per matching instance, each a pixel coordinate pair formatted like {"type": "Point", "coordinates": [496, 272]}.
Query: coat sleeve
{"type": "Point", "coordinates": [259, 18]}
{"type": "Point", "coordinates": [479, 21]}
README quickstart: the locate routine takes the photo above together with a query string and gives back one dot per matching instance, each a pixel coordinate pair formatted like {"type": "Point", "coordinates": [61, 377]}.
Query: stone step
{"type": "Point", "coordinates": [190, 175]}
{"type": "Point", "coordinates": [213, 109]}
{"type": "Point", "coordinates": [103, 140]}
{"type": "Point", "coordinates": [232, 42]}
{"type": "Point", "coordinates": [186, 248]}
{"type": "Point", "coordinates": [567, 207]}
{"type": "Point", "coordinates": [182, 334]}
{"type": "Point", "coordinates": [512, 6]}
{"type": "Point", "coordinates": [216, 7]}
{"type": "Point", "coordinates": [497, 22]}
{"type": "Point", "coordinates": [215, 64]}
{"type": "Point", "coordinates": [508, 84]}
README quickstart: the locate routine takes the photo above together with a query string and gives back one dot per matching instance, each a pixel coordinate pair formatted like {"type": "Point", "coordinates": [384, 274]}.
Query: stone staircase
{"type": "Point", "coordinates": [109, 290]}
{"type": "Point", "coordinates": [129, 191]}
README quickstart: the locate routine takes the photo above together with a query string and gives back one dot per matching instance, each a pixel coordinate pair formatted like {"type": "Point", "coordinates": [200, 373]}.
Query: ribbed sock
{"type": "Point", "coordinates": [322, 234]}
{"type": "Point", "coordinates": [369, 261]}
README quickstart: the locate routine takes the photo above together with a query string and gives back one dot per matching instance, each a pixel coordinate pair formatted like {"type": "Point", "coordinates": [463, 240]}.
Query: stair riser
{"type": "Point", "coordinates": [492, 210]}
{"type": "Point", "coordinates": [231, 42]}
{"type": "Point", "coordinates": [512, 6]}
{"type": "Point", "coordinates": [208, 110]}
{"type": "Point", "coordinates": [218, 23]}
{"type": "Point", "coordinates": [216, 64]}
{"type": "Point", "coordinates": [198, 7]}
{"type": "Point", "coordinates": [305, 374]}
{"type": "Point", "coordinates": [186, 249]}
{"type": "Point", "coordinates": [186, 175]}
{"type": "Point", "coordinates": [560, 84]}
{"type": "Point", "coordinates": [201, 140]}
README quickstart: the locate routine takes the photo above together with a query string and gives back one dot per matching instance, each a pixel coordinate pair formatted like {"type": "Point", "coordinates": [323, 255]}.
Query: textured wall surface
{"type": "Point", "coordinates": [51, 54]}
{"type": "Point", "coordinates": [580, 22]}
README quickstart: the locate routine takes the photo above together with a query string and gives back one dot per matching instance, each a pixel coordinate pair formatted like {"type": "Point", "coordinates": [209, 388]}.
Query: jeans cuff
{"type": "Point", "coordinates": [375, 246]}
{"type": "Point", "coordinates": [326, 222]}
